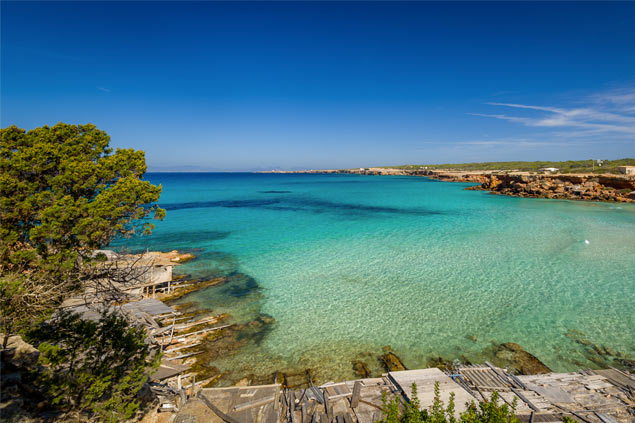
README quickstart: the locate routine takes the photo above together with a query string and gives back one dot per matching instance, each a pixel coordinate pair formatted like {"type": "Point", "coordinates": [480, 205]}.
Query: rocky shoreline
{"type": "Point", "coordinates": [570, 187]}
{"type": "Point", "coordinates": [588, 187]}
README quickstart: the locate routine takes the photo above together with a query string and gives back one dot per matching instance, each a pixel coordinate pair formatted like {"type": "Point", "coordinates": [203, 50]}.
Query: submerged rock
{"type": "Point", "coordinates": [361, 369]}
{"type": "Point", "coordinates": [261, 321]}
{"type": "Point", "coordinates": [600, 355]}
{"type": "Point", "coordinates": [392, 363]}
{"type": "Point", "coordinates": [519, 360]}
{"type": "Point", "coordinates": [266, 319]}
{"type": "Point", "coordinates": [626, 363]}
{"type": "Point", "coordinates": [610, 351]}
{"type": "Point", "coordinates": [440, 363]}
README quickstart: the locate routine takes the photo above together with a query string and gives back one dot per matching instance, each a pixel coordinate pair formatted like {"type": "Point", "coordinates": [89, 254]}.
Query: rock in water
{"type": "Point", "coordinates": [392, 362]}
{"type": "Point", "coordinates": [516, 358]}
{"type": "Point", "coordinates": [361, 369]}
{"type": "Point", "coordinates": [439, 363]}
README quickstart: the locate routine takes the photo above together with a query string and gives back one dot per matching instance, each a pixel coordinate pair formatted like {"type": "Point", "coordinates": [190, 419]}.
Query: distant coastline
{"type": "Point", "coordinates": [547, 184]}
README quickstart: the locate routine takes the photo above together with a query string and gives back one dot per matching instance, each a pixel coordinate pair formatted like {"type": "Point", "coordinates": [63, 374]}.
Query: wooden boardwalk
{"type": "Point", "coordinates": [425, 379]}
{"type": "Point", "coordinates": [243, 404]}
{"type": "Point", "coordinates": [601, 396]}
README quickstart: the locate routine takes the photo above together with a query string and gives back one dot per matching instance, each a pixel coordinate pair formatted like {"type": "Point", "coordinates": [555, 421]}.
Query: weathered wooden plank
{"type": "Point", "coordinates": [617, 378]}
{"type": "Point", "coordinates": [178, 357]}
{"type": "Point", "coordinates": [252, 404]}
{"type": "Point", "coordinates": [182, 348]}
{"type": "Point", "coordinates": [292, 406]}
{"type": "Point", "coordinates": [357, 389]}
{"type": "Point", "coordinates": [503, 378]}
{"type": "Point", "coordinates": [215, 409]}
{"type": "Point", "coordinates": [338, 396]}
{"type": "Point", "coordinates": [605, 418]}
{"type": "Point", "coordinates": [551, 393]}
{"type": "Point", "coordinates": [317, 393]}
{"type": "Point", "coordinates": [232, 388]}
{"type": "Point", "coordinates": [425, 379]}
{"type": "Point", "coordinates": [328, 407]}
{"type": "Point", "coordinates": [524, 398]}
{"type": "Point", "coordinates": [195, 323]}
{"type": "Point", "coordinates": [371, 404]}
{"type": "Point", "coordinates": [518, 381]}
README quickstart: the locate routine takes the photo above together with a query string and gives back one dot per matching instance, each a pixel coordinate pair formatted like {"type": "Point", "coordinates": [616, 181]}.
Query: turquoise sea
{"type": "Point", "coordinates": [347, 264]}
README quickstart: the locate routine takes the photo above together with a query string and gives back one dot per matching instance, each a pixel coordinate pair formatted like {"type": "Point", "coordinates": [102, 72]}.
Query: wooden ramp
{"type": "Point", "coordinates": [425, 380]}
{"type": "Point", "coordinates": [622, 380]}
{"type": "Point", "coordinates": [590, 398]}
{"type": "Point", "coordinates": [244, 404]}
{"type": "Point", "coordinates": [485, 378]}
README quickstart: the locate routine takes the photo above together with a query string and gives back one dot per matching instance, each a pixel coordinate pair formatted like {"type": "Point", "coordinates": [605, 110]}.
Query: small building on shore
{"type": "Point", "coordinates": [549, 169]}
{"type": "Point", "coordinates": [626, 170]}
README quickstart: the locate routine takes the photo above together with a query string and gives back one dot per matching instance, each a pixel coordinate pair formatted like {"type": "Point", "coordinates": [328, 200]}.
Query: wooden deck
{"type": "Point", "coordinates": [601, 396]}
{"type": "Point", "coordinates": [425, 379]}
{"type": "Point", "coordinates": [244, 404]}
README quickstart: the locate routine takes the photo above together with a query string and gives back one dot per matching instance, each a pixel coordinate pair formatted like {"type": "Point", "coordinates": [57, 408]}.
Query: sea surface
{"type": "Point", "coordinates": [348, 264]}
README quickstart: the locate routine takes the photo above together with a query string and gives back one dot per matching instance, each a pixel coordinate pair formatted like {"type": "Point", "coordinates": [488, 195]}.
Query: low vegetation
{"type": "Point", "coordinates": [485, 412]}
{"type": "Point", "coordinates": [569, 166]}
{"type": "Point", "coordinates": [92, 369]}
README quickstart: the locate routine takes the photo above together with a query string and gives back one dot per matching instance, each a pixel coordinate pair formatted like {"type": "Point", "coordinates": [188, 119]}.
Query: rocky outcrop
{"type": "Point", "coordinates": [572, 187]}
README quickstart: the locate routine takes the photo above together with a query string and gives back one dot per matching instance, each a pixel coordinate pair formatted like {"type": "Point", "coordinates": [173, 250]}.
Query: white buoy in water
{"type": "Point", "coordinates": [586, 241]}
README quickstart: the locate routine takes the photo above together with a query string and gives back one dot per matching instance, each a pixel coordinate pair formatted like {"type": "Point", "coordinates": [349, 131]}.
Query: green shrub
{"type": "Point", "coordinates": [93, 370]}
{"type": "Point", "coordinates": [484, 412]}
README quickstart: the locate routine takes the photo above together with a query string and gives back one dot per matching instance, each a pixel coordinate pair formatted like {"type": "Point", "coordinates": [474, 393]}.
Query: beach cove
{"type": "Point", "coordinates": [347, 264]}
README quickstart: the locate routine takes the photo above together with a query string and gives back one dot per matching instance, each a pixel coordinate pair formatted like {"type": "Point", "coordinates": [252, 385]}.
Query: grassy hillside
{"type": "Point", "coordinates": [570, 166]}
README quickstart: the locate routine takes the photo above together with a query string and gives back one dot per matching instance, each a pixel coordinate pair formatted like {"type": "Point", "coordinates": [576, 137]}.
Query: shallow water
{"type": "Point", "coordinates": [346, 264]}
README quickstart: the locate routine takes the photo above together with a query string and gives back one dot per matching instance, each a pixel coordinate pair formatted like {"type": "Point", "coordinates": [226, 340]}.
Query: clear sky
{"type": "Point", "coordinates": [251, 86]}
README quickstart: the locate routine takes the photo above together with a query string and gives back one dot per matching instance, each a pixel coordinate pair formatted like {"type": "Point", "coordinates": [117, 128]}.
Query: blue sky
{"type": "Point", "coordinates": [251, 86]}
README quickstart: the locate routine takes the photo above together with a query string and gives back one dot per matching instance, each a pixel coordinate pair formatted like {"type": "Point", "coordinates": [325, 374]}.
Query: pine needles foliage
{"type": "Point", "coordinates": [93, 369]}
